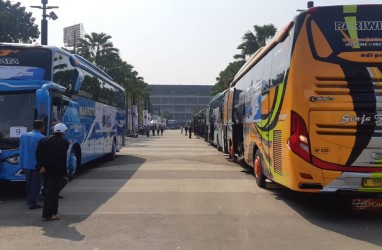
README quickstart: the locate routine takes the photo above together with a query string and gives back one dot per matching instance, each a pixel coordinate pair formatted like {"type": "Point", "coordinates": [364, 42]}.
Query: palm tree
{"type": "Point", "coordinates": [226, 77]}
{"type": "Point", "coordinates": [253, 41]}
{"type": "Point", "coordinates": [124, 74]}
{"type": "Point", "coordinates": [98, 48]}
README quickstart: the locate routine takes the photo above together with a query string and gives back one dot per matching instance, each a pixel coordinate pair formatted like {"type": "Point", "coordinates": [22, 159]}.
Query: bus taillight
{"type": "Point", "coordinates": [299, 139]}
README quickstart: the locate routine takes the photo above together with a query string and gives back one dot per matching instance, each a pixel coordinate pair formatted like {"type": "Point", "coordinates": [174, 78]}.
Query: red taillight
{"type": "Point", "coordinates": [299, 139]}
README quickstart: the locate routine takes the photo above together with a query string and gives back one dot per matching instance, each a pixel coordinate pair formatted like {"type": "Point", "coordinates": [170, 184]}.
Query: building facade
{"type": "Point", "coordinates": [180, 101]}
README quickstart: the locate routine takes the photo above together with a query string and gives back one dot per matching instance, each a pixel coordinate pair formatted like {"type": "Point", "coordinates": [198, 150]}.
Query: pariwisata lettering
{"type": "Point", "coordinates": [360, 25]}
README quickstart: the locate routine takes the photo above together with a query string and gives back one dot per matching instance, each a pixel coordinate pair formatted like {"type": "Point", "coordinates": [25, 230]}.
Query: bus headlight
{"type": "Point", "coordinates": [13, 159]}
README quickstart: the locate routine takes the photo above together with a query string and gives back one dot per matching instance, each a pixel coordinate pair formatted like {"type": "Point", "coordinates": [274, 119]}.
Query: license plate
{"type": "Point", "coordinates": [369, 182]}
{"type": "Point", "coordinates": [364, 204]}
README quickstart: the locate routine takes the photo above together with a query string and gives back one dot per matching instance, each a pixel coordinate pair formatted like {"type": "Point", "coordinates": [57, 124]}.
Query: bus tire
{"type": "Point", "coordinates": [258, 169]}
{"type": "Point", "coordinates": [73, 163]}
{"type": "Point", "coordinates": [111, 155]}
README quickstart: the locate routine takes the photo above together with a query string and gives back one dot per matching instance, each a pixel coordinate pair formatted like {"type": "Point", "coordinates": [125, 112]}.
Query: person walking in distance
{"type": "Point", "coordinates": [28, 146]}
{"type": "Point", "coordinates": [51, 159]}
{"type": "Point", "coordinates": [153, 129]}
{"type": "Point", "coordinates": [189, 131]}
{"type": "Point", "coordinates": [186, 129]}
{"type": "Point", "coordinates": [161, 129]}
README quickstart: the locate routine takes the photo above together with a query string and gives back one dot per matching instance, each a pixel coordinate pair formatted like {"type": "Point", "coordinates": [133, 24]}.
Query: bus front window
{"type": "Point", "coordinates": [17, 114]}
{"type": "Point", "coordinates": [25, 63]}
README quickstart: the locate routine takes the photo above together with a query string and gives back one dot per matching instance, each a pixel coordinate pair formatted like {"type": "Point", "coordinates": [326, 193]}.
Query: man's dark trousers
{"type": "Point", "coordinates": [53, 188]}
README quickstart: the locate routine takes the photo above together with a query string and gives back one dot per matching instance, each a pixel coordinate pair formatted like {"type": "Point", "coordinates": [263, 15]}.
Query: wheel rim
{"type": "Point", "coordinates": [72, 166]}
{"type": "Point", "coordinates": [257, 167]}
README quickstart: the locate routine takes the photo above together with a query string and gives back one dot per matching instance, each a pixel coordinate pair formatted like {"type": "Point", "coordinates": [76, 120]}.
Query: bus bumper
{"type": "Point", "coordinates": [353, 181]}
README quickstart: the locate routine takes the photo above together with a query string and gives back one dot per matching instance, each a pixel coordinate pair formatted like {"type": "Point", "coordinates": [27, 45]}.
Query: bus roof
{"type": "Point", "coordinates": [254, 58]}
{"type": "Point", "coordinates": [78, 60]}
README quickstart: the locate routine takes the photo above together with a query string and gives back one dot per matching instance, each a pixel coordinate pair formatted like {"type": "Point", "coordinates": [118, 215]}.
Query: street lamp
{"type": "Point", "coordinates": [44, 22]}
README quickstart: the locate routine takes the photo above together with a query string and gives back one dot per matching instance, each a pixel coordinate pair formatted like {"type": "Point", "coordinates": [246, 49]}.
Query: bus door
{"type": "Point", "coordinates": [59, 104]}
{"type": "Point", "coordinates": [102, 124]}
{"type": "Point", "coordinates": [238, 127]}
{"type": "Point", "coordinates": [108, 130]}
{"type": "Point", "coordinates": [207, 124]}
{"type": "Point", "coordinates": [227, 119]}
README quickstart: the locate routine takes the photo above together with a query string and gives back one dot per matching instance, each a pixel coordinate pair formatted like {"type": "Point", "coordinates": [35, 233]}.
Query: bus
{"type": "Point", "coordinates": [48, 83]}
{"type": "Point", "coordinates": [200, 123]}
{"type": "Point", "coordinates": [172, 124]}
{"type": "Point", "coordinates": [215, 116]}
{"type": "Point", "coordinates": [310, 103]}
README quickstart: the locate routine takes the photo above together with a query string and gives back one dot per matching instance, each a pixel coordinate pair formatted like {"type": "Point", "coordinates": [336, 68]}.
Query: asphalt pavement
{"type": "Point", "coordinates": [172, 192]}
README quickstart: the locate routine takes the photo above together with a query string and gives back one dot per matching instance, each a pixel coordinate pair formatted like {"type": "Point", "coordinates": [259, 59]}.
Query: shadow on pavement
{"type": "Point", "coordinates": [14, 213]}
{"type": "Point", "coordinates": [333, 212]}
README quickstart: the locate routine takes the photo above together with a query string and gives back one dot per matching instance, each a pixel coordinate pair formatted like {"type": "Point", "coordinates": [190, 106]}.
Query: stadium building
{"type": "Point", "coordinates": [180, 101]}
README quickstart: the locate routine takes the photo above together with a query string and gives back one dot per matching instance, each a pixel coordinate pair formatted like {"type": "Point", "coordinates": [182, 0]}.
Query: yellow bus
{"type": "Point", "coordinates": [310, 103]}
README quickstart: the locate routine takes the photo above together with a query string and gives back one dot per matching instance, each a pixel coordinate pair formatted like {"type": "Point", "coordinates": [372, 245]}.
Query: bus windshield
{"type": "Point", "coordinates": [17, 113]}
{"type": "Point", "coordinates": [25, 64]}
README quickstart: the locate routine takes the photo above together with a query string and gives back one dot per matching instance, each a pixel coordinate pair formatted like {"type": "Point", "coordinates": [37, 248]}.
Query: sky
{"type": "Point", "coordinates": [179, 42]}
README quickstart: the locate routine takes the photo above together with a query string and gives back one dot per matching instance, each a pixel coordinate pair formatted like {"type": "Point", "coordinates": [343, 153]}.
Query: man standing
{"type": "Point", "coordinates": [51, 159]}
{"type": "Point", "coordinates": [28, 146]}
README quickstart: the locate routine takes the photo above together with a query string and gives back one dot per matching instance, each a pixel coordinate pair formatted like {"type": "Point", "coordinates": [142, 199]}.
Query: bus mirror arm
{"type": "Point", "coordinates": [54, 86]}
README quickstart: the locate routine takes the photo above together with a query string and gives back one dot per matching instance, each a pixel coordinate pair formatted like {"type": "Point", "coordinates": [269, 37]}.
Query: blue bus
{"type": "Point", "coordinates": [172, 124]}
{"type": "Point", "coordinates": [48, 83]}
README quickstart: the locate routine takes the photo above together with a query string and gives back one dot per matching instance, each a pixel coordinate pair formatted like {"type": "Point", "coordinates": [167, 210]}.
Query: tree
{"type": "Point", "coordinates": [124, 74]}
{"type": "Point", "coordinates": [253, 41]}
{"type": "Point", "coordinates": [16, 25]}
{"type": "Point", "coordinates": [98, 48]}
{"type": "Point", "coordinates": [226, 77]}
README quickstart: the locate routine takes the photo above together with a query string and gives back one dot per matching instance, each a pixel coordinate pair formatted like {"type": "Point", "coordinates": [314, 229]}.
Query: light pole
{"type": "Point", "coordinates": [44, 22]}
